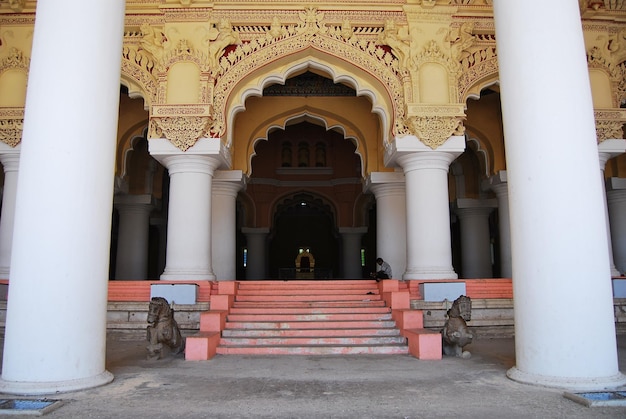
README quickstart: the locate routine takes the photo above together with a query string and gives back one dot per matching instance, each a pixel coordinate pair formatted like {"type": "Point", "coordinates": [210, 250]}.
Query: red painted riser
{"type": "Point", "coordinates": [309, 332]}
{"type": "Point", "coordinates": [310, 325]}
{"type": "Point", "coordinates": [307, 291]}
{"type": "Point", "coordinates": [306, 317]}
{"type": "Point", "coordinates": [314, 341]}
{"type": "Point", "coordinates": [314, 350]}
{"type": "Point", "coordinates": [308, 304]}
{"type": "Point", "coordinates": [302, 310]}
{"type": "Point", "coordinates": [311, 297]}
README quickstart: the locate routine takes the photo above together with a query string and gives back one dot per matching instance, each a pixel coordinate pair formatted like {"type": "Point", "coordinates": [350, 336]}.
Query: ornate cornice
{"type": "Point", "coordinates": [11, 125]}
{"type": "Point", "coordinates": [183, 125]}
{"type": "Point", "coordinates": [15, 59]}
{"type": "Point", "coordinates": [434, 124]}
{"type": "Point", "coordinates": [609, 123]}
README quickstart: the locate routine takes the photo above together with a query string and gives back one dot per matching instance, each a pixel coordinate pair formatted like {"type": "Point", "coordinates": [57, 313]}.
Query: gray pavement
{"type": "Point", "coordinates": [368, 386]}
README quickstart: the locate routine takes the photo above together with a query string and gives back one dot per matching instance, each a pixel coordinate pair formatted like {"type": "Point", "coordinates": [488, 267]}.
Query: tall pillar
{"type": "Point", "coordinates": [498, 184]}
{"type": "Point", "coordinates": [56, 319]}
{"type": "Point", "coordinates": [257, 252]}
{"type": "Point", "coordinates": [608, 149]}
{"type": "Point", "coordinates": [475, 239]}
{"type": "Point", "coordinates": [557, 264]}
{"type": "Point", "coordinates": [389, 190]}
{"type": "Point", "coordinates": [616, 200]}
{"type": "Point", "coordinates": [134, 211]}
{"type": "Point", "coordinates": [188, 255]}
{"type": "Point", "coordinates": [428, 241]}
{"type": "Point", "coordinates": [351, 237]}
{"type": "Point", "coordinates": [10, 158]}
{"type": "Point", "coordinates": [226, 185]}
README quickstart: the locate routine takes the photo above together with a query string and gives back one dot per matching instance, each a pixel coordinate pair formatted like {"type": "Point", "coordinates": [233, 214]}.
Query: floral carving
{"type": "Point", "coordinates": [11, 131]}
{"type": "Point", "coordinates": [182, 131]}
{"type": "Point", "coordinates": [609, 124]}
{"type": "Point", "coordinates": [15, 59]}
{"type": "Point", "coordinates": [434, 130]}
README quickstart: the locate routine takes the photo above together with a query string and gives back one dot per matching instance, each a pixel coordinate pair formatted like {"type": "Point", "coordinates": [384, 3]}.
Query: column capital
{"type": "Point", "coordinates": [10, 157]}
{"type": "Point", "coordinates": [352, 230]}
{"type": "Point", "coordinates": [380, 183]}
{"type": "Point", "coordinates": [410, 153]}
{"type": "Point", "coordinates": [255, 230]}
{"type": "Point", "coordinates": [228, 182]}
{"type": "Point", "coordinates": [465, 207]}
{"type": "Point", "coordinates": [206, 155]}
{"type": "Point", "coordinates": [608, 149]}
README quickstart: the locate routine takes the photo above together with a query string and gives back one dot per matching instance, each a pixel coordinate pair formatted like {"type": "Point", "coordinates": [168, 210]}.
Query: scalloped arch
{"type": "Point", "coordinates": [316, 59]}
{"type": "Point", "coordinates": [351, 133]}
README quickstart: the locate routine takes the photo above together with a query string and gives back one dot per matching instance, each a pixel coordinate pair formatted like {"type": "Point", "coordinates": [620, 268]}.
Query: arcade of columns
{"type": "Point", "coordinates": [195, 63]}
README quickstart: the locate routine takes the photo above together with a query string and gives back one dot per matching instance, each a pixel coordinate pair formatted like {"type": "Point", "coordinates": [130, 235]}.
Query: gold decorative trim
{"type": "Point", "coordinates": [15, 59]}
{"type": "Point", "coordinates": [11, 125]}
{"type": "Point", "coordinates": [609, 124]}
{"type": "Point", "coordinates": [182, 131]}
{"type": "Point", "coordinates": [434, 124]}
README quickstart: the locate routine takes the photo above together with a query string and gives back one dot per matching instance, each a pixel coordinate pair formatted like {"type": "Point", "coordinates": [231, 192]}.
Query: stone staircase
{"type": "Point", "coordinates": [310, 318]}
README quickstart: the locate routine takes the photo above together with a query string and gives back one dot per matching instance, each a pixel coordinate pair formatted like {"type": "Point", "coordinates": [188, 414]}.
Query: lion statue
{"type": "Point", "coordinates": [455, 332]}
{"type": "Point", "coordinates": [162, 329]}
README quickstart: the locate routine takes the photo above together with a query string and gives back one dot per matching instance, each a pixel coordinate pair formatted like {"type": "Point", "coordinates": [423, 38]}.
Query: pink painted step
{"type": "Point", "coordinates": [309, 304]}
{"type": "Point", "coordinates": [314, 350]}
{"type": "Point", "coordinates": [310, 332]}
{"type": "Point", "coordinates": [310, 318]}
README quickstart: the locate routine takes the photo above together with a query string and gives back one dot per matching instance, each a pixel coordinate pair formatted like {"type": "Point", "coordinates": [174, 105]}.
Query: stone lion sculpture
{"type": "Point", "coordinates": [162, 329]}
{"type": "Point", "coordinates": [455, 332]}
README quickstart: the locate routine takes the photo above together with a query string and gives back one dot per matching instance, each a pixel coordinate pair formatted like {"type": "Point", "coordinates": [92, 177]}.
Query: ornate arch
{"type": "Point", "coordinates": [365, 66]}
{"type": "Point", "coordinates": [348, 130]}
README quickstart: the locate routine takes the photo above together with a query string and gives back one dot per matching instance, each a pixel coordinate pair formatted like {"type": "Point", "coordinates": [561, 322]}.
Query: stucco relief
{"type": "Point", "coordinates": [609, 124]}
{"type": "Point", "coordinates": [11, 125]}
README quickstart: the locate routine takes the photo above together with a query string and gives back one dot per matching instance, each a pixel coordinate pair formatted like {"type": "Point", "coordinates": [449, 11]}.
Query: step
{"type": "Point", "coordinates": [309, 304]}
{"type": "Point", "coordinates": [310, 332]}
{"type": "Point", "coordinates": [307, 292]}
{"type": "Point", "coordinates": [307, 317]}
{"type": "Point", "coordinates": [307, 297]}
{"type": "Point", "coordinates": [309, 310]}
{"type": "Point", "coordinates": [314, 350]}
{"type": "Point", "coordinates": [357, 324]}
{"type": "Point", "coordinates": [312, 341]}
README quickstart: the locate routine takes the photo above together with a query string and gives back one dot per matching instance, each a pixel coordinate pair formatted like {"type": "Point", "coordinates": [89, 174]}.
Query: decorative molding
{"type": "Point", "coordinates": [182, 131]}
{"type": "Point", "coordinates": [609, 124]}
{"type": "Point", "coordinates": [434, 124]}
{"type": "Point", "coordinates": [11, 125]}
{"type": "Point", "coordinates": [15, 59]}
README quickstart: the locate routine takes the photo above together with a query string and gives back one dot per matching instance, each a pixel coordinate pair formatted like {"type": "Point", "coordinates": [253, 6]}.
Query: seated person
{"type": "Point", "coordinates": [383, 270]}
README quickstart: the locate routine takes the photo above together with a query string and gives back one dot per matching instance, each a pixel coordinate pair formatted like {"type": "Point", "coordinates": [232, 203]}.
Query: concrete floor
{"type": "Point", "coordinates": [370, 386]}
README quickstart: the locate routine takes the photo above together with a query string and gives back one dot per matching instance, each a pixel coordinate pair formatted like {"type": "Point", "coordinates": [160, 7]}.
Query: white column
{"type": "Point", "coordinates": [134, 211]}
{"type": "Point", "coordinates": [351, 238]}
{"type": "Point", "coordinates": [560, 259]}
{"type": "Point", "coordinates": [608, 149]}
{"type": "Point", "coordinates": [389, 190]}
{"type": "Point", "coordinates": [475, 239]}
{"type": "Point", "coordinates": [188, 255]}
{"type": "Point", "coordinates": [616, 200]}
{"type": "Point", "coordinates": [256, 239]}
{"type": "Point", "coordinates": [56, 321]}
{"type": "Point", "coordinates": [428, 241]}
{"type": "Point", "coordinates": [10, 158]}
{"type": "Point", "coordinates": [499, 185]}
{"type": "Point", "coordinates": [226, 185]}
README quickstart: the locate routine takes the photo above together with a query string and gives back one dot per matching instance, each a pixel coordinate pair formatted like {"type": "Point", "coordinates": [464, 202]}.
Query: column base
{"type": "Point", "coordinates": [26, 388]}
{"type": "Point", "coordinates": [430, 274]}
{"type": "Point", "coordinates": [187, 276]}
{"type": "Point", "coordinates": [568, 383]}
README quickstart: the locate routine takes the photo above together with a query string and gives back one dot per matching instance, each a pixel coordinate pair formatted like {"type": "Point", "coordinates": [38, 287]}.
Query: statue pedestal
{"type": "Point", "coordinates": [439, 291]}
{"type": "Point", "coordinates": [175, 293]}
